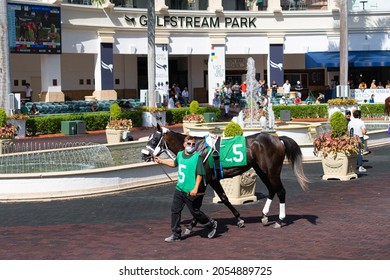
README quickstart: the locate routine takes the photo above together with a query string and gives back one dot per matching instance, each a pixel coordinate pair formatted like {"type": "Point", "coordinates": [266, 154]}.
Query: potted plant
{"type": "Point", "coordinates": [338, 150]}
{"type": "Point", "coordinates": [341, 105]}
{"type": "Point", "coordinates": [117, 127]}
{"type": "Point", "coordinates": [19, 121]}
{"type": "Point", "coordinates": [193, 117]}
{"type": "Point", "coordinates": [240, 188]}
{"type": "Point", "coordinates": [153, 115]}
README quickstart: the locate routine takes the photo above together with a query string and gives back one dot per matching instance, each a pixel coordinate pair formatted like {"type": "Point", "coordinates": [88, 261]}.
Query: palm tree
{"type": "Point", "coordinates": [5, 79]}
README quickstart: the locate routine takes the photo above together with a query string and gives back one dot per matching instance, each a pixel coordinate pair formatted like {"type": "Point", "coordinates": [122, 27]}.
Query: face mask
{"type": "Point", "coordinates": [190, 150]}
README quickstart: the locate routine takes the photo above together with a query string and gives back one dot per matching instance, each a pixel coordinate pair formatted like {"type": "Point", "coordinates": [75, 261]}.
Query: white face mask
{"type": "Point", "coordinates": [190, 150]}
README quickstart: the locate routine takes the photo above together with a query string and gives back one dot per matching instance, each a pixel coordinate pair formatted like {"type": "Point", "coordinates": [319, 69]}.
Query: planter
{"type": "Point", "coordinates": [150, 119]}
{"type": "Point", "coordinates": [6, 146]}
{"type": "Point", "coordinates": [21, 125]}
{"type": "Point", "coordinates": [239, 189]}
{"type": "Point", "coordinates": [115, 135]}
{"type": "Point", "coordinates": [186, 124]}
{"type": "Point", "coordinates": [342, 167]}
{"type": "Point", "coordinates": [341, 108]}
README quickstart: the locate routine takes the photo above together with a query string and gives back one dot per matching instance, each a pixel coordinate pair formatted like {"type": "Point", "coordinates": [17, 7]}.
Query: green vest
{"type": "Point", "coordinates": [186, 176]}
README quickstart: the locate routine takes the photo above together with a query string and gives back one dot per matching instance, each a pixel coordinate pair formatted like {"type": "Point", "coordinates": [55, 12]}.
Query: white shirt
{"type": "Point", "coordinates": [171, 103]}
{"type": "Point", "coordinates": [28, 92]}
{"type": "Point", "coordinates": [357, 125]}
{"type": "Point", "coordinates": [286, 88]}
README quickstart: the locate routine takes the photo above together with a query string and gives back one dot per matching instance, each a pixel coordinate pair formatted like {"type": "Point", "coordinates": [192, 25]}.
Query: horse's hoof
{"type": "Point", "coordinates": [264, 220]}
{"type": "Point", "coordinates": [240, 223]}
{"type": "Point", "coordinates": [279, 224]}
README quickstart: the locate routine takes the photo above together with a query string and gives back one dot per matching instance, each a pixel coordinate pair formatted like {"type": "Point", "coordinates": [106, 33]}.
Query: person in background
{"type": "Point", "coordinates": [332, 87]}
{"type": "Point", "coordinates": [28, 91]}
{"type": "Point", "coordinates": [348, 116]}
{"type": "Point", "coordinates": [94, 107]}
{"type": "Point", "coordinates": [243, 88]}
{"type": "Point", "coordinates": [387, 84]}
{"type": "Point", "coordinates": [286, 88]}
{"type": "Point", "coordinates": [320, 99]}
{"type": "Point", "coordinates": [297, 100]}
{"type": "Point", "coordinates": [380, 85]}
{"type": "Point", "coordinates": [171, 101]}
{"type": "Point", "coordinates": [357, 127]}
{"type": "Point", "coordinates": [372, 100]}
{"type": "Point", "coordinates": [373, 84]}
{"type": "Point", "coordinates": [274, 88]}
{"type": "Point", "coordinates": [283, 100]}
{"type": "Point", "coordinates": [362, 85]}
{"type": "Point", "coordinates": [34, 110]}
{"type": "Point", "coordinates": [186, 96]}
{"type": "Point", "coordinates": [298, 89]}
{"type": "Point", "coordinates": [309, 100]}
{"type": "Point", "coordinates": [190, 189]}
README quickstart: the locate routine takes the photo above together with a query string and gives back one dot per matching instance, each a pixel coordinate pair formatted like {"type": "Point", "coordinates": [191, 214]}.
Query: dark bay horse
{"type": "Point", "coordinates": [265, 154]}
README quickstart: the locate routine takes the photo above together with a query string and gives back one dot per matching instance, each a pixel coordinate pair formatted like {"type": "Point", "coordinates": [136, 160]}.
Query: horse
{"type": "Point", "coordinates": [265, 154]}
{"type": "Point", "coordinates": [387, 108]}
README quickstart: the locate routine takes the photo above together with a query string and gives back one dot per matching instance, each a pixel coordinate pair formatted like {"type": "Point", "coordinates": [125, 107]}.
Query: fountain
{"type": "Point", "coordinates": [56, 160]}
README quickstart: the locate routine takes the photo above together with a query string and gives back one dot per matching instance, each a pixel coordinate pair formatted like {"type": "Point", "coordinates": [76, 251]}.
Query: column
{"type": "Point", "coordinates": [104, 68]}
{"type": "Point", "coordinates": [216, 65]}
{"type": "Point", "coordinates": [274, 5]}
{"type": "Point", "coordinates": [51, 78]}
{"type": "Point", "coordinates": [215, 6]}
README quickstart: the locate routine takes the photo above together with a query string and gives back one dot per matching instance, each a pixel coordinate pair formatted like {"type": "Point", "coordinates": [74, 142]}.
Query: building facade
{"type": "Point", "coordinates": [202, 43]}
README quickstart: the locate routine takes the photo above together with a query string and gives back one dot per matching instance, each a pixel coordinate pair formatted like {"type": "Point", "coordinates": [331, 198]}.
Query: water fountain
{"type": "Point", "coordinates": [56, 160]}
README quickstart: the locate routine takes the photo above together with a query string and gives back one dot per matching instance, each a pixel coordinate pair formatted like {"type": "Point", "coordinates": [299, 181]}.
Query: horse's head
{"type": "Point", "coordinates": [154, 146]}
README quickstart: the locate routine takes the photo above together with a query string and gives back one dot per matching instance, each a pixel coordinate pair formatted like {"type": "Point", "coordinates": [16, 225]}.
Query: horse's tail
{"type": "Point", "coordinates": [294, 155]}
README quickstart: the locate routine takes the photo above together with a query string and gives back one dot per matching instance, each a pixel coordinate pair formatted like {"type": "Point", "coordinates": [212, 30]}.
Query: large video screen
{"type": "Point", "coordinates": [34, 28]}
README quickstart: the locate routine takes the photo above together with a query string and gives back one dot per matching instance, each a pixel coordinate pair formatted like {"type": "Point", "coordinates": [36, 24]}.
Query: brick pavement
{"type": "Point", "coordinates": [333, 220]}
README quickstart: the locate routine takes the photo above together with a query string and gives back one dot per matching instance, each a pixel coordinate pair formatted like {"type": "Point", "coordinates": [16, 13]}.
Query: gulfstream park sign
{"type": "Point", "coordinates": [195, 22]}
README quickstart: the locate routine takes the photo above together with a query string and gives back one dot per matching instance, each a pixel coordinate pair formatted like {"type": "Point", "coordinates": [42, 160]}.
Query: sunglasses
{"type": "Point", "coordinates": [190, 144]}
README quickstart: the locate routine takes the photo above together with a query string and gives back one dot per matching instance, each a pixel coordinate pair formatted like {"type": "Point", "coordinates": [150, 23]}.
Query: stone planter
{"type": "Point", "coordinates": [6, 146]}
{"type": "Point", "coordinates": [239, 189]}
{"type": "Point", "coordinates": [150, 119]}
{"type": "Point", "coordinates": [21, 124]}
{"type": "Point", "coordinates": [186, 130]}
{"type": "Point", "coordinates": [114, 135]}
{"type": "Point", "coordinates": [342, 167]}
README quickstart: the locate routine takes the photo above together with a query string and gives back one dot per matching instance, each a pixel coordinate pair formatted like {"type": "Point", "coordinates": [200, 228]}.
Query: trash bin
{"type": "Point", "coordinates": [80, 127]}
{"type": "Point", "coordinates": [209, 117]}
{"type": "Point", "coordinates": [69, 127]}
{"type": "Point", "coordinates": [285, 115]}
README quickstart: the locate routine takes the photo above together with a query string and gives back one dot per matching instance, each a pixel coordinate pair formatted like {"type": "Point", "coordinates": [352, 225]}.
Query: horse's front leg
{"type": "Point", "coordinates": [216, 185]}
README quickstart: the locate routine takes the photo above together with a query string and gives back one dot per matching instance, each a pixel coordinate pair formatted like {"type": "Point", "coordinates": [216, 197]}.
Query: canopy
{"type": "Point", "coordinates": [355, 59]}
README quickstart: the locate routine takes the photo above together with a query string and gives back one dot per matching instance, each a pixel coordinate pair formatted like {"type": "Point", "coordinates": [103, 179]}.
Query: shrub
{"type": "Point", "coordinates": [338, 124]}
{"type": "Point", "coordinates": [233, 129]}
{"type": "Point", "coordinates": [115, 111]}
{"type": "Point", "coordinates": [3, 117]}
{"type": "Point", "coordinates": [194, 107]}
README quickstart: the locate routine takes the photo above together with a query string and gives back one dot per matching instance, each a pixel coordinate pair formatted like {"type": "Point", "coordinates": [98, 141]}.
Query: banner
{"type": "Point", "coordinates": [107, 66]}
{"type": "Point", "coordinates": [161, 68]}
{"type": "Point", "coordinates": [276, 60]}
{"type": "Point", "coordinates": [216, 69]}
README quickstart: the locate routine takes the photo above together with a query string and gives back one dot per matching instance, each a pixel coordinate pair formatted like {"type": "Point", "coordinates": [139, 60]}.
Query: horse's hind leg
{"type": "Point", "coordinates": [282, 208]}
{"type": "Point", "coordinates": [216, 185]}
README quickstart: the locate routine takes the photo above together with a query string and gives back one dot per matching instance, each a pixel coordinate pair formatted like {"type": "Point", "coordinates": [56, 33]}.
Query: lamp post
{"type": "Point", "coordinates": [151, 54]}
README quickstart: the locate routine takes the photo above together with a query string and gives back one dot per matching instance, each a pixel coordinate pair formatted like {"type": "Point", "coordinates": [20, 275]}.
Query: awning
{"type": "Point", "coordinates": [355, 59]}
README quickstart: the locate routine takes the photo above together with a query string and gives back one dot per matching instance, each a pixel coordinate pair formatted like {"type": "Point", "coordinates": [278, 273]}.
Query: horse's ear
{"type": "Point", "coordinates": [158, 127]}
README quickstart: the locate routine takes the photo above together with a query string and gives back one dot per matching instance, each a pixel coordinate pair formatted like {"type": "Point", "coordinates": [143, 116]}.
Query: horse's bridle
{"type": "Point", "coordinates": [160, 148]}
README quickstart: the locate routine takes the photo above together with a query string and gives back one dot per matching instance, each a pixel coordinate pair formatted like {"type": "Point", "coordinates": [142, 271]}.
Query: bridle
{"type": "Point", "coordinates": [160, 148]}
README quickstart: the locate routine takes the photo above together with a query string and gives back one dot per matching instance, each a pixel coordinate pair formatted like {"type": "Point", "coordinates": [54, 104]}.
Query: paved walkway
{"type": "Point", "coordinates": [333, 220]}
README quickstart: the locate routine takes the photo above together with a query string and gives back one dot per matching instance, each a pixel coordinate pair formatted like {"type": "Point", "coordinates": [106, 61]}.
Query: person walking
{"type": "Point", "coordinates": [190, 189]}
{"type": "Point", "coordinates": [357, 127]}
{"type": "Point", "coordinates": [28, 91]}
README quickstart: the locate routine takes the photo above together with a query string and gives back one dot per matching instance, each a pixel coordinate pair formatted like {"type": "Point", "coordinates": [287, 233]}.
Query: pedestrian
{"type": "Point", "coordinates": [372, 100]}
{"type": "Point", "coordinates": [190, 189]}
{"type": "Point", "coordinates": [186, 96]}
{"type": "Point", "coordinates": [28, 91]}
{"type": "Point", "coordinates": [274, 89]}
{"type": "Point", "coordinates": [357, 127]}
{"type": "Point", "coordinates": [286, 89]}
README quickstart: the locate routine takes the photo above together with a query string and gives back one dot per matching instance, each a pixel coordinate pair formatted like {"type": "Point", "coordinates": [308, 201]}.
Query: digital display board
{"type": "Point", "coordinates": [34, 28]}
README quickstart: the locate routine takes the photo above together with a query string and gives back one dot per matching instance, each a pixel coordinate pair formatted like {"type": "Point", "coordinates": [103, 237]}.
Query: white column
{"type": "Point", "coordinates": [160, 5]}
{"type": "Point", "coordinates": [215, 6]}
{"type": "Point", "coordinates": [274, 5]}
{"type": "Point", "coordinates": [216, 65]}
{"type": "Point", "coordinates": [51, 78]}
